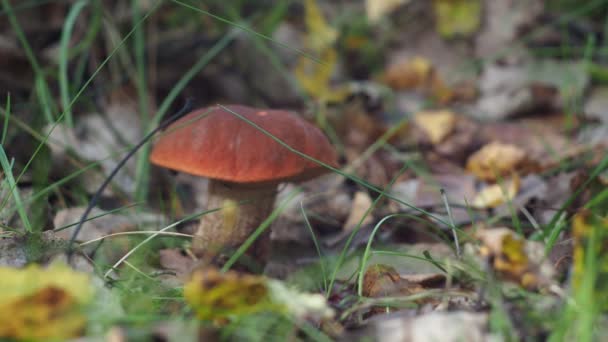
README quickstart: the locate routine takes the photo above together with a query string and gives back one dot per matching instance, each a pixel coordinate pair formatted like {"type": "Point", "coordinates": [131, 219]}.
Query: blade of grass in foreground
{"type": "Point", "coordinates": [317, 246]}
{"type": "Point", "coordinates": [7, 110]}
{"type": "Point", "coordinates": [250, 31]}
{"type": "Point", "coordinates": [331, 168]}
{"type": "Point", "coordinates": [263, 226]}
{"type": "Point", "coordinates": [84, 87]}
{"type": "Point", "coordinates": [64, 46]}
{"type": "Point", "coordinates": [553, 229]}
{"type": "Point", "coordinates": [8, 175]}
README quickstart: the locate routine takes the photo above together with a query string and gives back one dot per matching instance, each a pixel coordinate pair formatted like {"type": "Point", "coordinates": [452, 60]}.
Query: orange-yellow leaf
{"type": "Point", "coordinates": [409, 74]}
{"type": "Point", "coordinates": [495, 160]}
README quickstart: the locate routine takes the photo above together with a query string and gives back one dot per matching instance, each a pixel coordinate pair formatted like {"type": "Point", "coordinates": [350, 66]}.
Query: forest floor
{"type": "Point", "coordinates": [469, 202]}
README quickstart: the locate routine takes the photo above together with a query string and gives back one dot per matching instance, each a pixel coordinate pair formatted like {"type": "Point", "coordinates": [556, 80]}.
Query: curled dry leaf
{"type": "Point", "coordinates": [494, 195]}
{"type": "Point", "coordinates": [514, 258]}
{"type": "Point", "coordinates": [383, 280]}
{"type": "Point", "coordinates": [41, 304]}
{"type": "Point", "coordinates": [436, 124]}
{"type": "Point", "coordinates": [495, 160]}
{"type": "Point", "coordinates": [361, 203]}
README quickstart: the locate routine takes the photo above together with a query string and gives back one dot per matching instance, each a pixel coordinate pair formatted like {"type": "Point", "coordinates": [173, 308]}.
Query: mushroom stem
{"type": "Point", "coordinates": [243, 208]}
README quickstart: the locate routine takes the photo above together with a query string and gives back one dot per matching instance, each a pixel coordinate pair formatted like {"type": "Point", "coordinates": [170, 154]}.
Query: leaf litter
{"type": "Point", "coordinates": [451, 107]}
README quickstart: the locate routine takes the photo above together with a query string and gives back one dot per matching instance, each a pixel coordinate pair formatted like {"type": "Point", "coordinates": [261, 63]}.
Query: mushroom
{"type": "Point", "coordinates": [244, 167]}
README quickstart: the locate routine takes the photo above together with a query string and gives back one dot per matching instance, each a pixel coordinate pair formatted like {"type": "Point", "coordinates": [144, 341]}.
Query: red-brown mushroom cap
{"type": "Point", "coordinates": [215, 143]}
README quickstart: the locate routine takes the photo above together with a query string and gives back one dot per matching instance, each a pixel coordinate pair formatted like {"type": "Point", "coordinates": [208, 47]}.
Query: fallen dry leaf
{"type": "Point", "coordinates": [216, 296]}
{"type": "Point", "coordinates": [384, 281]}
{"type": "Point", "coordinates": [361, 203]}
{"type": "Point", "coordinates": [408, 74]}
{"type": "Point", "coordinates": [495, 160]}
{"type": "Point", "coordinates": [436, 124]}
{"type": "Point", "coordinates": [514, 258]}
{"type": "Point", "coordinates": [494, 195]}
{"type": "Point", "coordinates": [42, 304]}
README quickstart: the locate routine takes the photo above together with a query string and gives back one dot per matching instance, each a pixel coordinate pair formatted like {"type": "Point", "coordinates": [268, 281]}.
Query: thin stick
{"type": "Point", "coordinates": [135, 233]}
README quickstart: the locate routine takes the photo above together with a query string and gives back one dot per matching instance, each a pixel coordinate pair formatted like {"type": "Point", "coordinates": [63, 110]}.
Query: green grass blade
{"type": "Point", "coordinates": [261, 229]}
{"type": "Point", "coordinates": [64, 47]}
{"type": "Point", "coordinates": [7, 110]}
{"type": "Point", "coordinates": [8, 175]}
{"type": "Point", "coordinates": [338, 171]}
{"type": "Point", "coordinates": [250, 31]}
{"type": "Point", "coordinates": [85, 86]}
{"type": "Point", "coordinates": [317, 246]}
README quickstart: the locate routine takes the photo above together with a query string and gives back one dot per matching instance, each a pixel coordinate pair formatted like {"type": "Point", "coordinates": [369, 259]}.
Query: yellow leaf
{"type": "Point", "coordinates": [216, 296]}
{"type": "Point", "coordinates": [494, 160]}
{"type": "Point", "coordinates": [315, 77]}
{"type": "Point", "coordinates": [509, 255]}
{"type": "Point", "coordinates": [436, 124]}
{"type": "Point", "coordinates": [457, 17]}
{"type": "Point", "coordinates": [37, 303]}
{"type": "Point", "coordinates": [320, 35]}
{"type": "Point", "coordinates": [496, 194]}
{"type": "Point", "coordinates": [219, 296]}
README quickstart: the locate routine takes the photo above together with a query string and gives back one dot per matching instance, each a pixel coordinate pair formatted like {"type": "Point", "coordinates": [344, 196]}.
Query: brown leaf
{"type": "Point", "coordinates": [409, 74]}
{"type": "Point", "coordinates": [383, 281]}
